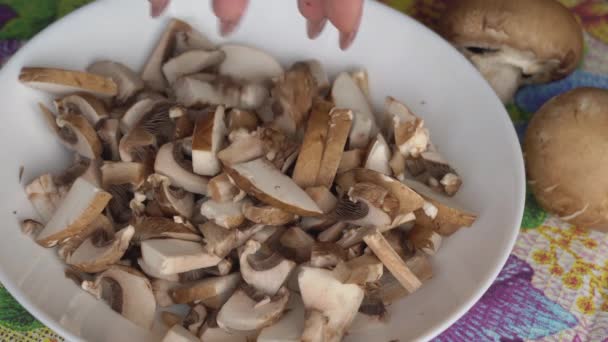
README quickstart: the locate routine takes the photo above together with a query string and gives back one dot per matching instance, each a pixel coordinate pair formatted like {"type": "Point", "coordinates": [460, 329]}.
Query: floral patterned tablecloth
{"type": "Point", "coordinates": [554, 286]}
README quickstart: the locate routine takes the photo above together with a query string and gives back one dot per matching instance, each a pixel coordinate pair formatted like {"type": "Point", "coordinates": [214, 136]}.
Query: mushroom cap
{"type": "Point", "coordinates": [566, 160]}
{"type": "Point", "coordinates": [544, 28]}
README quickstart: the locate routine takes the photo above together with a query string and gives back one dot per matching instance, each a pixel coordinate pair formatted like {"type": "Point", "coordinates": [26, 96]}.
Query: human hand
{"type": "Point", "coordinates": [345, 15]}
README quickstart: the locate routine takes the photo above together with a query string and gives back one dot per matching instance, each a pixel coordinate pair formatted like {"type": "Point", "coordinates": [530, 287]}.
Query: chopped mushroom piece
{"type": "Point", "coordinates": [264, 271]}
{"type": "Point", "coordinates": [326, 255]}
{"type": "Point", "coordinates": [267, 215]}
{"type": "Point", "coordinates": [219, 240]}
{"type": "Point", "coordinates": [362, 80]}
{"type": "Point", "coordinates": [339, 125]}
{"type": "Point", "coordinates": [247, 63]}
{"type": "Point", "coordinates": [226, 214]}
{"type": "Point", "coordinates": [170, 319]}
{"type": "Point", "coordinates": [195, 319]}
{"type": "Point", "coordinates": [262, 180]}
{"type": "Point", "coordinates": [379, 155]}
{"type": "Point", "coordinates": [390, 289]}
{"type": "Point", "coordinates": [207, 141]}
{"type": "Point", "coordinates": [411, 136]}
{"type": "Point", "coordinates": [438, 168]}
{"type": "Point", "coordinates": [97, 254]}
{"type": "Point", "coordinates": [191, 91]}
{"type": "Point", "coordinates": [171, 200]}
{"type": "Point", "coordinates": [170, 161]}
{"type": "Point", "coordinates": [363, 270]}
{"type": "Point", "coordinates": [80, 206]}
{"type": "Point", "coordinates": [128, 82]}
{"type": "Point", "coordinates": [31, 228]}
{"type": "Point", "coordinates": [127, 292]}
{"type": "Point", "coordinates": [221, 188]}
{"type": "Point", "coordinates": [63, 82]}
{"type": "Point", "coordinates": [116, 173]}
{"type": "Point", "coordinates": [242, 119]}
{"type": "Point", "coordinates": [393, 262]}
{"type": "Point", "coordinates": [177, 333]}
{"type": "Point", "coordinates": [191, 62]}
{"type": "Point", "coordinates": [290, 327]}
{"type": "Point", "coordinates": [109, 135]}
{"type": "Point", "coordinates": [314, 327]}
{"type": "Point", "coordinates": [351, 160]}
{"type": "Point", "coordinates": [161, 288]}
{"type": "Point", "coordinates": [151, 272]}
{"type": "Point", "coordinates": [425, 239]}
{"type": "Point", "coordinates": [296, 244]}
{"type": "Point", "coordinates": [245, 148]}
{"type": "Point", "coordinates": [186, 40]}
{"type": "Point", "coordinates": [213, 292]}
{"type": "Point", "coordinates": [84, 104]}
{"type": "Point", "coordinates": [323, 197]}
{"type": "Point", "coordinates": [45, 195]}
{"type": "Point", "coordinates": [242, 313]}
{"type": "Point", "coordinates": [161, 227]}
{"type": "Point", "coordinates": [171, 256]}
{"type": "Point", "coordinates": [338, 302]}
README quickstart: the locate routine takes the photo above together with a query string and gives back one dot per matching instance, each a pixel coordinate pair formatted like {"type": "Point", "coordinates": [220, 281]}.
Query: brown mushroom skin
{"type": "Point", "coordinates": [566, 160]}
{"type": "Point", "coordinates": [542, 31]}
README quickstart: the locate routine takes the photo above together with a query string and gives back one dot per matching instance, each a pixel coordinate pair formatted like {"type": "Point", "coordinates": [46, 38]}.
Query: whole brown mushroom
{"type": "Point", "coordinates": [514, 42]}
{"type": "Point", "coordinates": [566, 157]}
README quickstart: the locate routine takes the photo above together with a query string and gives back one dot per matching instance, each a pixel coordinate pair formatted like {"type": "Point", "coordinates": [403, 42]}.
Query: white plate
{"type": "Point", "coordinates": [404, 59]}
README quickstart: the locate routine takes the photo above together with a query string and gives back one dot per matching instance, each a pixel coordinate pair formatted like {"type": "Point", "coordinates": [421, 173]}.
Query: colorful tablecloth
{"type": "Point", "coordinates": [554, 286]}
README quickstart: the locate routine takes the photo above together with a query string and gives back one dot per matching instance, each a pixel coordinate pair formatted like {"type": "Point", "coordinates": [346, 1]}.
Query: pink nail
{"type": "Point", "coordinates": [157, 7]}
{"type": "Point", "coordinates": [227, 27]}
{"type": "Point", "coordinates": [346, 39]}
{"type": "Point", "coordinates": [314, 28]}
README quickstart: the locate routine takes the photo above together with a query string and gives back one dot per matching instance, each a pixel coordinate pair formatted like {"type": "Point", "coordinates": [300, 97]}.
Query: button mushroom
{"type": "Point", "coordinates": [515, 42]}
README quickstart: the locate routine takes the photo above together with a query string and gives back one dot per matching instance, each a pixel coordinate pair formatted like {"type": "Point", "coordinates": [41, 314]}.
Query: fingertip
{"type": "Point", "coordinates": [157, 7]}
{"type": "Point", "coordinates": [229, 10]}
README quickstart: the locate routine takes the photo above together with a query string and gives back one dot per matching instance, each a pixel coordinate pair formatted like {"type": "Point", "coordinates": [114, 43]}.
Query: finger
{"type": "Point", "coordinates": [157, 7]}
{"type": "Point", "coordinates": [345, 15]}
{"type": "Point", "coordinates": [229, 12]}
{"type": "Point", "coordinates": [314, 13]}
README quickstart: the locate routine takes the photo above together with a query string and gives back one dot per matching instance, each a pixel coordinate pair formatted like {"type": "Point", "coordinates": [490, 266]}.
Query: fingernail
{"type": "Point", "coordinates": [157, 7]}
{"type": "Point", "coordinates": [227, 27]}
{"type": "Point", "coordinates": [314, 28]}
{"type": "Point", "coordinates": [346, 39]}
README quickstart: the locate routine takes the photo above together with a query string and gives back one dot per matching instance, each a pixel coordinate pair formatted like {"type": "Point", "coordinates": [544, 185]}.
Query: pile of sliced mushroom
{"type": "Point", "coordinates": [276, 204]}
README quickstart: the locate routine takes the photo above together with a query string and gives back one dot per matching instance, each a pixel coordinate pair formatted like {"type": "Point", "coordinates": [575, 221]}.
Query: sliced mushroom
{"type": "Point", "coordinates": [333, 232]}
{"type": "Point", "coordinates": [213, 292]}
{"type": "Point", "coordinates": [151, 272]}
{"type": "Point", "coordinates": [171, 256]}
{"type": "Point", "coordinates": [160, 227]}
{"type": "Point", "coordinates": [31, 227]}
{"type": "Point", "coordinates": [45, 195]}
{"type": "Point", "coordinates": [262, 180]}
{"type": "Point", "coordinates": [170, 319]}
{"type": "Point", "coordinates": [290, 327]}
{"type": "Point", "coordinates": [390, 290]}
{"type": "Point", "coordinates": [171, 200]}
{"type": "Point", "coordinates": [84, 104]}
{"type": "Point", "coordinates": [177, 333]}
{"type": "Point", "coordinates": [266, 273]}
{"type": "Point", "coordinates": [192, 91]}
{"type": "Point", "coordinates": [127, 292]}
{"type": "Point", "coordinates": [221, 189]}
{"type": "Point", "coordinates": [296, 244]}
{"type": "Point", "coordinates": [267, 215]}
{"type": "Point", "coordinates": [438, 168]}
{"type": "Point", "coordinates": [170, 161]}
{"type": "Point", "coordinates": [207, 141]}
{"type": "Point", "coordinates": [116, 173]}
{"type": "Point", "coordinates": [411, 136]}
{"type": "Point", "coordinates": [425, 239]}
{"type": "Point", "coordinates": [242, 119]}
{"type": "Point", "coordinates": [363, 270]}
{"type": "Point", "coordinates": [195, 319]}
{"type": "Point", "coordinates": [326, 255]}
{"type": "Point", "coordinates": [63, 82]}
{"type": "Point", "coordinates": [128, 82]}
{"type": "Point", "coordinates": [361, 78]}
{"type": "Point", "coordinates": [226, 214]}
{"type": "Point", "coordinates": [138, 145]}
{"type": "Point", "coordinates": [323, 197]}
{"type": "Point", "coordinates": [243, 149]}
{"type": "Point", "coordinates": [101, 230]}
{"type": "Point", "coordinates": [338, 302]}
{"type": "Point", "coordinates": [137, 112]}
{"type": "Point", "coordinates": [242, 313]}
{"type": "Point", "coordinates": [191, 62]}
{"type": "Point", "coordinates": [351, 159]}
{"type": "Point", "coordinates": [346, 94]}
{"type": "Point", "coordinates": [97, 254]}
{"type": "Point", "coordinates": [109, 135]}
{"type": "Point", "coordinates": [187, 40]}
{"type": "Point", "coordinates": [79, 207]}
{"type": "Point", "coordinates": [379, 156]}
{"type": "Point", "coordinates": [247, 63]}
{"type": "Point", "coordinates": [220, 240]}
{"type": "Point", "coordinates": [340, 123]}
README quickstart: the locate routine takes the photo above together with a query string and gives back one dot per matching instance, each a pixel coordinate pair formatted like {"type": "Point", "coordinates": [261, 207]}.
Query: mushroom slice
{"type": "Point", "coordinates": [101, 230]}
{"type": "Point", "coordinates": [171, 200]}
{"type": "Point", "coordinates": [170, 319]}
{"type": "Point", "coordinates": [290, 327]}
{"type": "Point", "coordinates": [138, 145]}
{"type": "Point", "coordinates": [389, 290]}
{"type": "Point", "coordinates": [372, 193]}
{"type": "Point", "coordinates": [45, 195]}
{"type": "Point", "coordinates": [177, 333]}
{"type": "Point", "coordinates": [84, 104]}
{"type": "Point", "coordinates": [409, 201]}
{"type": "Point", "coordinates": [411, 136]}
{"type": "Point", "coordinates": [212, 292]}
{"type": "Point", "coordinates": [136, 113]}
{"type": "Point", "coordinates": [309, 160]}
{"type": "Point", "coordinates": [31, 227]}
{"type": "Point", "coordinates": [191, 62]}
{"type": "Point", "coordinates": [128, 82]}
{"type": "Point", "coordinates": [346, 94]}
{"type": "Point", "coordinates": [397, 164]}
{"type": "Point", "coordinates": [63, 82]}
{"type": "Point", "coordinates": [340, 122]}
{"type": "Point", "coordinates": [247, 63]}
{"type": "Point", "coordinates": [351, 159]}
{"type": "Point", "coordinates": [265, 272]}
{"type": "Point", "coordinates": [152, 73]}
{"type": "Point", "coordinates": [193, 91]}
{"type": "Point", "coordinates": [242, 119]}
{"type": "Point", "coordinates": [296, 244]}
{"type": "Point", "coordinates": [338, 302]}
{"type": "Point", "coordinates": [187, 40]}
{"type": "Point", "coordinates": [280, 149]}
{"type": "Point", "coordinates": [314, 326]}
{"type": "Point", "coordinates": [361, 270]}
{"type": "Point", "coordinates": [207, 141]}
{"type": "Point", "coordinates": [96, 254]}
{"type": "Point", "coordinates": [127, 292]}
{"type": "Point", "coordinates": [360, 212]}
{"type": "Point", "coordinates": [438, 168]}
{"type": "Point", "coordinates": [267, 215]}
{"type": "Point", "coordinates": [109, 135]}
{"type": "Point", "coordinates": [379, 156]}
{"type": "Point", "coordinates": [220, 241]}
{"type": "Point", "coordinates": [323, 197]}
{"type": "Point", "coordinates": [151, 272]}
{"type": "Point", "coordinates": [226, 214]}
{"type": "Point", "coordinates": [195, 319]}
{"type": "Point", "coordinates": [332, 233]}
{"type": "Point", "coordinates": [243, 149]}
{"type": "Point", "coordinates": [148, 228]}
{"type": "Point", "coordinates": [361, 78]}
{"type": "Point", "coordinates": [170, 162]}
{"type": "Point", "coordinates": [116, 173]}
{"type": "Point", "coordinates": [171, 256]}
{"type": "Point", "coordinates": [221, 189]}
{"type": "Point", "coordinates": [326, 255]}
{"type": "Point", "coordinates": [242, 313]}
{"type": "Point", "coordinates": [262, 180]}
{"type": "Point", "coordinates": [425, 239]}
{"type": "Point", "coordinates": [446, 217]}
{"type": "Point", "coordinates": [80, 206]}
